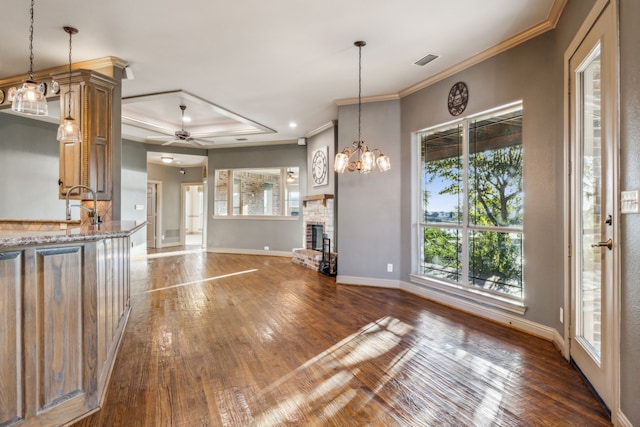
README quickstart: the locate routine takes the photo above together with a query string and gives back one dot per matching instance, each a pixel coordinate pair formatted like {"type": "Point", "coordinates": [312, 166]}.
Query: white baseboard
{"type": "Point", "coordinates": [622, 420]}
{"type": "Point", "coordinates": [499, 316]}
{"type": "Point", "coordinates": [368, 281]}
{"type": "Point", "coordinates": [249, 252]}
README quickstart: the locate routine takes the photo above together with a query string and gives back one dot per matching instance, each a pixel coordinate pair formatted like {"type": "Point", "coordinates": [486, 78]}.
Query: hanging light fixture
{"type": "Point", "coordinates": [364, 159]}
{"type": "Point", "coordinates": [29, 99]}
{"type": "Point", "coordinates": [69, 130]}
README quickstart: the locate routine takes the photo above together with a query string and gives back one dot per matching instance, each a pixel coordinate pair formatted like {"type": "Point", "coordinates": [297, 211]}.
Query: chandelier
{"type": "Point", "coordinates": [359, 157]}
{"type": "Point", "coordinates": [69, 130]}
{"type": "Point", "coordinates": [29, 99]}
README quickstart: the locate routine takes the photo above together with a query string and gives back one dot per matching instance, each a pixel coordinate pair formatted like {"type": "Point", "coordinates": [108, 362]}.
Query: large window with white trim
{"type": "Point", "coordinates": [471, 216]}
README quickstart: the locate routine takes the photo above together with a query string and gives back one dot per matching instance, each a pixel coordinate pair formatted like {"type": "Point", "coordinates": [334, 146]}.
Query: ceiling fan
{"type": "Point", "coordinates": [182, 135]}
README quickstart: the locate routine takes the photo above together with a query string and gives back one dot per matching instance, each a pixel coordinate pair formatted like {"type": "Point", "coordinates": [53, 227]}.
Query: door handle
{"type": "Point", "coordinates": [608, 244]}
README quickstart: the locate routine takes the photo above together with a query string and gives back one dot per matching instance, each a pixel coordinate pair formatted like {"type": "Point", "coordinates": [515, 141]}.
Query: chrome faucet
{"type": "Point", "coordinates": [93, 213]}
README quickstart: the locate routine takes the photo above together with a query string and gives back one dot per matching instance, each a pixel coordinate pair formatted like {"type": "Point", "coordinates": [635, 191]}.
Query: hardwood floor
{"type": "Point", "coordinates": [235, 340]}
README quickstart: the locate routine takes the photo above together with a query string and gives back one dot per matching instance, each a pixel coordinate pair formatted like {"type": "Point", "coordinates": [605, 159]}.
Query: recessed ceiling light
{"type": "Point", "coordinates": [166, 159]}
{"type": "Point", "coordinates": [293, 125]}
{"type": "Point", "coordinates": [187, 119]}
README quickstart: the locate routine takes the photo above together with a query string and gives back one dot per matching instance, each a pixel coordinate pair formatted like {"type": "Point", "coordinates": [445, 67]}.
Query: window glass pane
{"type": "Point", "coordinates": [257, 192]}
{"type": "Point", "coordinates": [292, 193]}
{"type": "Point", "coordinates": [441, 180]}
{"type": "Point", "coordinates": [495, 171]}
{"type": "Point", "coordinates": [221, 192]}
{"type": "Point", "coordinates": [496, 261]}
{"type": "Point", "coordinates": [442, 253]}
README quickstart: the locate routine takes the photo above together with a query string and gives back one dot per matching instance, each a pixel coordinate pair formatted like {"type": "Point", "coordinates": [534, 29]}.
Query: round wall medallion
{"type": "Point", "coordinates": [12, 93]}
{"type": "Point", "coordinates": [1, 96]}
{"type": "Point", "coordinates": [458, 98]}
{"type": "Point", "coordinates": [42, 87]}
{"type": "Point", "coordinates": [55, 87]}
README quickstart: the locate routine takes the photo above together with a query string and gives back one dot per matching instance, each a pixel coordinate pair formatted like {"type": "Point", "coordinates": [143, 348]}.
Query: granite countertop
{"type": "Point", "coordinates": [16, 238]}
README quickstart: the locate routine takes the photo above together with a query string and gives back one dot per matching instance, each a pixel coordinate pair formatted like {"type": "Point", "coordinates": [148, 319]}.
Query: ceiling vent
{"type": "Point", "coordinates": [426, 60]}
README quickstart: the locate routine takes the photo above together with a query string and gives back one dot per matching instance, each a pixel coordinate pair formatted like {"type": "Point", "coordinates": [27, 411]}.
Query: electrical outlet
{"type": "Point", "coordinates": [561, 315]}
{"type": "Point", "coordinates": [163, 237]}
{"type": "Point", "coordinates": [266, 248]}
{"type": "Point", "coordinates": [389, 268]}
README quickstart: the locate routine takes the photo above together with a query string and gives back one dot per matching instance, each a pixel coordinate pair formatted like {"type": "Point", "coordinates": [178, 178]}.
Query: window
{"type": "Point", "coordinates": [262, 192]}
{"type": "Point", "coordinates": [471, 213]}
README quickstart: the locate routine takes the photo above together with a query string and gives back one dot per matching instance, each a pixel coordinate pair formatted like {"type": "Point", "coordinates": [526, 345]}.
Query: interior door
{"type": "Point", "coordinates": [592, 107]}
{"type": "Point", "coordinates": [152, 214]}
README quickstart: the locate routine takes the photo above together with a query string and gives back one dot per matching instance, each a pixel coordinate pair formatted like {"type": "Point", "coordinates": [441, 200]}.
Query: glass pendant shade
{"type": "Point", "coordinates": [341, 162]}
{"type": "Point", "coordinates": [69, 131]}
{"type": "Point", "coordinates": [384, 164]}
{"type": "Point", "coordinates": [368, 162]}
{"type": "Point", "coordinates": [29, 100]}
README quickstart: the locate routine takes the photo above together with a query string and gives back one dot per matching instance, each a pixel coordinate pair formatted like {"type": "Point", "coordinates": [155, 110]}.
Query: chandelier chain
{"type": "Point", "coordinates": [31, 43]}
{"type": "Point", "coordinates": [359, 90]}
{"type": "Point", "coordinates": [69, 93]}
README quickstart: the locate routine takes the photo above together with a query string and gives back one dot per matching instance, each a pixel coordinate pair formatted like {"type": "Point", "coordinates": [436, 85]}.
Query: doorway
{"type": "Point", "coordinates": [193, 224]}
{"type": "Point", "coordinates": [591, 64]}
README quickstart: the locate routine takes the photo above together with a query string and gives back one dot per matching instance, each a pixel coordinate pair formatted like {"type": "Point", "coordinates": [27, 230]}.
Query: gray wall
{"type": "Point", "coordinates": [134, 180]}
{"type": "Point", "coordinates": [29, 165]}
{"type": "Point", "coordinates": [531, 72]}
{"type": "Point", "coordinates": [326, 138]}
{"type": "Point", "coordinates": [368, 222]}
{"type": "Point", "coordinates": [630, 224]}
{"type": "Point", "coordinates": [172, 180]}
{"type": "Point", "coordinates": [254, 234]}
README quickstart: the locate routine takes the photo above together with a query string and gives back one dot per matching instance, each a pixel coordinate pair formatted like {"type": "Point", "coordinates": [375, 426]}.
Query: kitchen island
{"type": "Point", "coordinates": [64, 304]}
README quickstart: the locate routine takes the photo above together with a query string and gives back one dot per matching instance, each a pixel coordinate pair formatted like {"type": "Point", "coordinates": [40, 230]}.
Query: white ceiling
{"type": "Point", "coordinates": [270, 63]}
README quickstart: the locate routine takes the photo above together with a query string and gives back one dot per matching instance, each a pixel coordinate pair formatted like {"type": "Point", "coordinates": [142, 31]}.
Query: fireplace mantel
{"type": "Point", "coordinates": [320, 197]}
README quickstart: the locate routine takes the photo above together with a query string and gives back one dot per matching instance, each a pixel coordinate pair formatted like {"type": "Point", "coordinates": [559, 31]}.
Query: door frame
{"type": "Point", "coordinates": [598, 10]}
{"type": "Point", "coordinates": [158, 230]}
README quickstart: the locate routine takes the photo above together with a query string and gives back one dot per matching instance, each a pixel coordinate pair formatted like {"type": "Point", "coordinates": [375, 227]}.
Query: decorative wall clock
{"type": "Point", "coordinates": [458, 98]}
{"type": "Point", "coordinates": [1, 96]}
{"type": "Point", "coordinates": [320, 167]}
{"type": "Point", "coordinates": [55, 87]}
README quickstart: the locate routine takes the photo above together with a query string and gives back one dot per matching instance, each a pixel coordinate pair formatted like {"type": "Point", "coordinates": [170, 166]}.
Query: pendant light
{"type": "Point", "coordinates": [365, 159]}
{"type": "Point", "coordinates": [69, 131]}
{"type": "Point", "coordinates": [29, 99]}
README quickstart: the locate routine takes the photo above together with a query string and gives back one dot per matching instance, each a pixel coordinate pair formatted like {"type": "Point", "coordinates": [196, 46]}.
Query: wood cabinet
{"type": "Point", "coordinates": [88, 162]}
{"type": "Point", "coordinates": [63, 310]}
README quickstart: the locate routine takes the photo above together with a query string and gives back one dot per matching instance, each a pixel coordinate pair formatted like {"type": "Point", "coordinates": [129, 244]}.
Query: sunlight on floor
{"type": "Point", "coordinates": [195, 282]}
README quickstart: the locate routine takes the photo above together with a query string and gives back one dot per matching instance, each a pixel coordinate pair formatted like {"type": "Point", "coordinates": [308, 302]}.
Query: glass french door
{"type": "Point", "coordinates": [592, 106]}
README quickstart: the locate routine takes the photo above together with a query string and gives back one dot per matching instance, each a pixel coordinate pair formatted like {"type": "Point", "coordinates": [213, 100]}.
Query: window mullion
{"type": "Point", "coordinates": [465, 202]}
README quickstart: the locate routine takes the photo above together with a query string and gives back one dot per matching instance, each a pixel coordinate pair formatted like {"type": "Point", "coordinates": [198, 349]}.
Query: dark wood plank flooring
{"type": "Point", "coordinates": [236, 340]}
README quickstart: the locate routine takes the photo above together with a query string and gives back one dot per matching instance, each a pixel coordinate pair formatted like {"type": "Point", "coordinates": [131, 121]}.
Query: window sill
{"type": "Point", "coordinates": [257, 217]}
{"type": "Point", "coordinates": [473, 294]}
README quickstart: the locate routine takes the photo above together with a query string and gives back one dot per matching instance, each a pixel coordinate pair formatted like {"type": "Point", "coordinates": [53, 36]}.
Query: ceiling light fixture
{"type": "Point", "coordinates": [29, 99]}
{"type": "Point", "coordinates": [69, 131]}
{"type": "Point", "coordinates": [365, 160]}
{"type": "Point", "coordinates": [166, 159]}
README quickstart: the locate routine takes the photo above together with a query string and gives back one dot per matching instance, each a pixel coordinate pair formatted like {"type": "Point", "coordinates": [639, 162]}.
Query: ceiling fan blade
{"type": "Point", "coordinates": [171, 142]}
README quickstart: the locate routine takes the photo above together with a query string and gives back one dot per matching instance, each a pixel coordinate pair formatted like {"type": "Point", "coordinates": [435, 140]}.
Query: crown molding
{"type": "Point", "coordinates": [365, 99]}
{"type": "Point", "coordinates": [320, 129]}
{"type": "Point", "coordinates": [103, 65]}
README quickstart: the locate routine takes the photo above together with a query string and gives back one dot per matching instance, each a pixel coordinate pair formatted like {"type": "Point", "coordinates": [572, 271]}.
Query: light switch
{"type": "Point", "coordinates": [629, 202]}
{"type": "Point", "coordinates": [139, 207]}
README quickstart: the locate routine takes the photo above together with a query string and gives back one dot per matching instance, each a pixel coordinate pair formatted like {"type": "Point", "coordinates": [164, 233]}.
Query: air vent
{"type": "Point", "coordinates": [426, 60]}
{"type": "Point", "coordinates": [241, 139]}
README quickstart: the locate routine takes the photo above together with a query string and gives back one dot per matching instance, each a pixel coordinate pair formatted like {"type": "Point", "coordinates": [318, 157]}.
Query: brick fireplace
{"type": "Point", "coordinates": [318, 222]}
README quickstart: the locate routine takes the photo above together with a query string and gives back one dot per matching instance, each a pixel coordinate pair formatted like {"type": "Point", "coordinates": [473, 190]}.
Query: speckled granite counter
{"type": "Point", "coordinates": [20, 238]}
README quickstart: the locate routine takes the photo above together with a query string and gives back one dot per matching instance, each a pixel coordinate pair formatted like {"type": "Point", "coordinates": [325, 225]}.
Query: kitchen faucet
{"type": "Point", "coordinates": [93, 213]}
